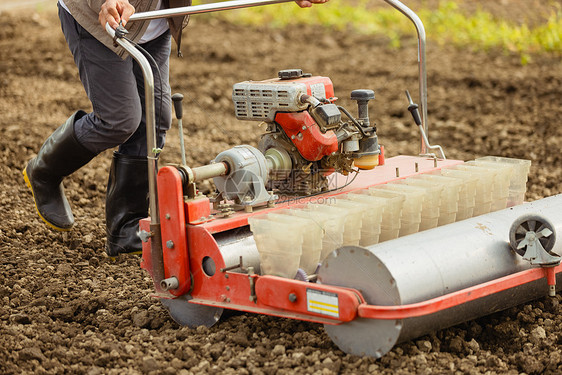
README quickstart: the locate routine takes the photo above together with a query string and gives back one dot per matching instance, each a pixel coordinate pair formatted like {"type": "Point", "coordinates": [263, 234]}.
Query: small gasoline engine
{"type": "Point", "coordinates": [306, 138]}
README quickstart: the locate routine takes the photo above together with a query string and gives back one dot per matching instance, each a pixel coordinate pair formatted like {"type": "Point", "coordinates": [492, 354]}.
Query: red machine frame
{"type": "Point", "coordinates": [187, 239]}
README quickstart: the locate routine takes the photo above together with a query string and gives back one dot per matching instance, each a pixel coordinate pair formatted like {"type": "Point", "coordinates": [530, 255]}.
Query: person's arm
{"type": "Point", "coordinates": [308, 3]}
{"type": "Point", "coordinates": [115, 11]}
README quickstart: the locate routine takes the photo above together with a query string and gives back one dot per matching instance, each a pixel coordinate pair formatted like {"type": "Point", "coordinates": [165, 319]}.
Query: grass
{"type": "Point", "coordinates": [447, 24]}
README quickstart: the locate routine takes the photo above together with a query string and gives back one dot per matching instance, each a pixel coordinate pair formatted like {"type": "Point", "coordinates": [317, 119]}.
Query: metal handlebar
{"type": "Point", "coordinates": [422, 71]}
{"type": "Point", "coordinates": [202, 8]}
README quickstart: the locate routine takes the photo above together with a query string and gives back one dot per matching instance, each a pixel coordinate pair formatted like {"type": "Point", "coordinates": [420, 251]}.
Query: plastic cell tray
{"type": "Point", "coordinates": [411, 211]}
{"type": "Point", "coordinates": [430, 206]}
{"type": "Point", "coordinates": [312, 241]}
{"type": "Point", "coordinates": [501, 182]}
{"type": "Point", "coordinates": [279, 253]}
{"type": "Point", "coordinates": [483, 196]}
{"type": "Point", "coordinates": [332, 225]}
{"type": "Point", "coordinates": [372, 216]}
{"type": "Point", "coordinates": [519, 177]}
{"type": "Point", "coordinates": [467, 193]}
{"type": "Point", "coordinates": [390, 225]}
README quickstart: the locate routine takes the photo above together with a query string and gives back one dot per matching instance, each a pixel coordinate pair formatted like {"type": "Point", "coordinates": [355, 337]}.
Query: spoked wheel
{"type": "Point", "coordinates": [190, 314]}
{"type": "Point", "coordinates": [543, 229]}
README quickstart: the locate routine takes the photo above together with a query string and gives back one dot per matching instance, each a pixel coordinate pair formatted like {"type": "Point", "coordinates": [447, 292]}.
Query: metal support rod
{"type": "Point", "coordinates": [208, 171]}
{"type": "Point", "coordinates": [421, 65]}
{"type": "Point", "coordinates": [150, 120]}
{"type": "Point", "coordinates": [152, 157]}
{"type": "Point", "coordinates": [177, 99]}
{"type": "Point", "coordinates": [202, 8]}
{"type": "Point", "coordinates": [182, 143]}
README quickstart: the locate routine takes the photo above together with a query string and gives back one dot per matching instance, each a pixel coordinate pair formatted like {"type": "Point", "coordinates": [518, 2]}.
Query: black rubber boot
{"type": "Point", "coordinates": [60, 155]}
{"type": "Point", "coordinates": [126, 203]}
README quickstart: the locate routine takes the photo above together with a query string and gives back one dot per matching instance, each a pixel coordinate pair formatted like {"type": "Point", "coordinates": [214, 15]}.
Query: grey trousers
{"type": "Point", "coordinates": [115, 88]}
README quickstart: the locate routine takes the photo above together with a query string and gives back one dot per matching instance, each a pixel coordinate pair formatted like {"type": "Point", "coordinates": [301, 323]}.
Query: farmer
{"type": "Point", "coordinates": [115, 86]}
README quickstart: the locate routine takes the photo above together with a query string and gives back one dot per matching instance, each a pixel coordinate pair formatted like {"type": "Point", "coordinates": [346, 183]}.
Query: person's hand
{"type": "Point", "coordinates": [308, 3]}
{"type": "Point", "coordinates": [114, 11]}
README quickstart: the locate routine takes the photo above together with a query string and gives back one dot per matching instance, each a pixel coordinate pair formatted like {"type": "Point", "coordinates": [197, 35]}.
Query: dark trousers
{"type": "Point", "coordinates": [115, 87]}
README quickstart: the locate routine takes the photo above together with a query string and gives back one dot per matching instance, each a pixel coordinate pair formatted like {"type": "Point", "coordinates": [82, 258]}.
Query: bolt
{"type": "Point", "coordinates": [293, 297]}
{"type": "Point", "coordinates": [227, 288]}
{"type": "Point", "coordinates": [168, 216]}
{"type": "Point", "coordinates": [170, 244]}
{"type": "Point", "coordinates": [293, 136]}
{"type": "Point", "coordinates": [304, 127]}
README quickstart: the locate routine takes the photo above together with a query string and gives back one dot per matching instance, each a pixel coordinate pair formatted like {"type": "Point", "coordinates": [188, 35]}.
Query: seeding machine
{"type": "Point", "coordinates": [316, 224]}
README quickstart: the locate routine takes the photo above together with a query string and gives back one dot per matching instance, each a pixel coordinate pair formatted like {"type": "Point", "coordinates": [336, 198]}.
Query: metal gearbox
{"type": "Point", "coordinates": [247, 175]}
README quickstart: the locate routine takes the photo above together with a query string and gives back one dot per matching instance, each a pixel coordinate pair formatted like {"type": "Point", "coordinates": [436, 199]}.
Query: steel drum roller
{"type": "Point", "coordinates": [430, 264]}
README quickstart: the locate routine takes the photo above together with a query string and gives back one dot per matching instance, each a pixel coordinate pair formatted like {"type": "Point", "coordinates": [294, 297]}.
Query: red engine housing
{"type": "Point", "coordinates": [301, 128]}
{"type": "Point", "coordinates": [305, 134]}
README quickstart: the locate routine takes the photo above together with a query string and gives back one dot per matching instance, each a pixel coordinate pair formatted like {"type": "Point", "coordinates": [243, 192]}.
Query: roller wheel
{"type": "Point", "coordinates": [532, 223]}
{"type": "Point", "coordinates": [190, 314]}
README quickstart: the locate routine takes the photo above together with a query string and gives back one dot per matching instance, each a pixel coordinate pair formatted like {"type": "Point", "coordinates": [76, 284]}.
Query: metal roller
{"type": "Point", "coordinates": [430, 264]}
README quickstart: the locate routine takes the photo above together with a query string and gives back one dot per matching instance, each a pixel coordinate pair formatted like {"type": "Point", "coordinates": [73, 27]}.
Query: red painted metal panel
{"type": "Point", "coordinates": [198, 210]}
{"type": "Point", "coordinates": [146, 261]}
{"type": "Point", "coordinates": [312, 299]}
{"type": "Point", "coordinates": [172, 219]}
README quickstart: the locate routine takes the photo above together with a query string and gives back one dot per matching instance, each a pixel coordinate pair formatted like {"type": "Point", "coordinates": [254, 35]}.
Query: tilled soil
{"type": "Point", "coordinates": [67, 308]}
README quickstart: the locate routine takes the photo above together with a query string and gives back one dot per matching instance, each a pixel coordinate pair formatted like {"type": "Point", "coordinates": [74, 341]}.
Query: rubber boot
{"type": "Point", "coordinates": [60, 155]}
{"type": "Point", "coordinates": [126, 203]}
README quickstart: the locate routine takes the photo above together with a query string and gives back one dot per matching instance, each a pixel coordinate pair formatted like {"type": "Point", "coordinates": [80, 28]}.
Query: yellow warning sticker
{"type": "Point", "coordinates": [322, 302]}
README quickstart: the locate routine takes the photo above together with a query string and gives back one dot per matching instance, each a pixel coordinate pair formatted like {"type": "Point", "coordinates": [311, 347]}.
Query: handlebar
{"type": "Point", "coordinates": [202, 8]}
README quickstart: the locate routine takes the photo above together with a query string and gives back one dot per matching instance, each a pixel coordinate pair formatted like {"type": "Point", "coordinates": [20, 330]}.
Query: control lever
{"type": "Point", "coordinates": [413, 108]}
{"type": "Point", "coordinates": [177, 99]}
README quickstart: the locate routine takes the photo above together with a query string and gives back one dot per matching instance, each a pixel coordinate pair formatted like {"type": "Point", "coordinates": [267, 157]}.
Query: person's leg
{"type": "Point", "coordinates": [110, 84]}
{"type": "Point", "coordinates": [128, 180]}
{"type": "Point", "coordinates": [60, 155]}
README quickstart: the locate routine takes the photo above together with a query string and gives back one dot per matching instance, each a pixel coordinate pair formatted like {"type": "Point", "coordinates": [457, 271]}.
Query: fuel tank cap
{"type": "Point", "coordinates": [290, 73]}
